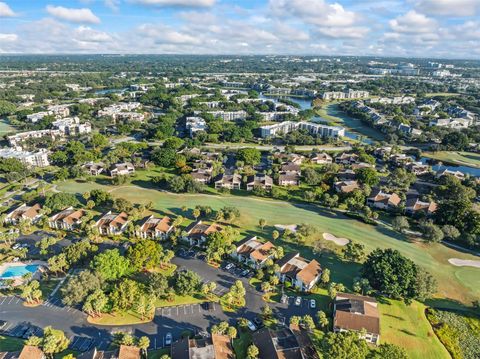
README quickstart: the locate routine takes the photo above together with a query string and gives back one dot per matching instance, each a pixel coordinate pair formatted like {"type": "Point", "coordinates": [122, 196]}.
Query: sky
{"type": "Point", "coordinates": [410, 28]}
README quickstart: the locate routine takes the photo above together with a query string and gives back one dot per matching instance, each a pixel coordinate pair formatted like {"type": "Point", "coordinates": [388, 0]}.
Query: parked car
{"type": "Point", "coordinates": [229, 266]}
{"type": "Point", "coordinates": [245, 273]}
{"type": "Point", "coordinates": [208, 306]}
{"type": "Point", "coordinates": [30, 331]}
{"type": "Point", "coordinates": [251, 326]}
{"type": "Point", "coordinates": [168, 339]}
{"type": "Point", "coordinates": [313, 304]}
{"type": "Point", "coordinates": [298, 301]}
{"type": "Point", "coordinates": [284, 298]}
{"type": "Point", "coordinates": [2, 324]}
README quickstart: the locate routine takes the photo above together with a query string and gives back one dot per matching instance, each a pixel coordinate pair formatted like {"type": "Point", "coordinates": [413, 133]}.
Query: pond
{"type": "Point", "coordinates": [306, 103]}
{"type": "Point", "coordinates": [109, 91]}
{"type": "Point", "coordinates": [438, 166]}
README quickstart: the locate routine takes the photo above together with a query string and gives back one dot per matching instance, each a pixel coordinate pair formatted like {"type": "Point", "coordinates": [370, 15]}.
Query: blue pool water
{"type": "Point", "coordinates": [18, 271]}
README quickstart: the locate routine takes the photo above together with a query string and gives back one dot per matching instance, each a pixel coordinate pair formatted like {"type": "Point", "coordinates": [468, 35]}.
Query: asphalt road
{"type": "Point", "coordinates": [175, 319]}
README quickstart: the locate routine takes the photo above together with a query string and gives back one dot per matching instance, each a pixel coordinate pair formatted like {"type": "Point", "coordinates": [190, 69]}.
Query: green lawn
{"type": "Point", "coordinates": [408, 327]}
{"type": "Point", "coordinates": [5, 127]}
{"type": "Point", "coordinates": [241, 344]}
{"type": "Point", "coordinates": [455, 283]}
{"type": "Point", "coordinates": [9, 344]}
{"type": "Point", "coordinates": [156, 354]}
{"type": "Point", "coordinates": [456, 158]}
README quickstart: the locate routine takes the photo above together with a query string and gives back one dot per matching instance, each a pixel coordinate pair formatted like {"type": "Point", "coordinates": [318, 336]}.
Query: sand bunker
{"type": "Point", "coordinates": [337, 241]}
{"type": "Point", "coordinates": [464, 262]}
{"type": "Point", "coordinates": [290, 227]}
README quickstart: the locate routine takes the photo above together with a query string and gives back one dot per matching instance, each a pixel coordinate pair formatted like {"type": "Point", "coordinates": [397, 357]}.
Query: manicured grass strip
{"type": "Point", "coordinates": [10, 344]}
{"type": "Point", "coordinates": [456, 158]}
{"type": "Point", "coordinates": [241, 343]}
{"type": "Point", "coordinates": [408, 327]}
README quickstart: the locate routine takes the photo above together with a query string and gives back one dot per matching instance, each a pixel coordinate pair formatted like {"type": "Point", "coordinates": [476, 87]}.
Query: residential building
{"type": "Point", "coordinates": [216, 347]}
{"type": "Point", "coordinates": [202, 176]}
{"type": "Point", "coordinates": [259, 181]}
{"type": "Point", "coordinates": [291, 178]}
{"type": "Point", "coordinates": [312, 128]}
{"type": "Point", "coordinates": [33, 159]}
{"type": "Point", "coordinates": [35, 117]}
{"type": "Point", "coordinates": [112, 224]}
{"type": "Point", "coordinates": [278, 344]}
{"type": "Point", "coordinates": [418, 168]}
{"type": "Point", "coordinates": [197, 232]}
{"type": "Point", "coordinates": [17, 139]}
{"type": "Point", "coordinates": [24, 212]}
{"type": "Point", "coordinates": [71, 126]}
{"type": "Point", "coordinates": [59, 111]}
{"type": "Point", "coordinates": [115, 111]}
{"type": "Point", "coordinates": [321, 158]}
{"type": "Point", "coordinates": [346, 186]}
{"type": "Point", "coordinates": [414, 205]}
{"type": "Point", "coordinates": [381, 200]}
{"type": "Point", "coordinates": [233, 181]}
{"type": "Point", "coordinates": [227, 116]}
{"type": "Point", "coordinates": [122, 169]}
{"type": "Point", "coordinates": [31, 352]}
{"type": "Point", "coordinates": [454, 123]}
{"type": "Point", "coordinates": [350, 94]}
{"type": "Point", "coordinates": [347, 158]}
{"type": "Point", "coordinates": [68, 219]}
{"type": "Point", "coordinates": [94, 169]}
{"type": "Point", "coordinates": [357, 313]}
{"type": "Point", "coordinates": [154, 228]}
{"type": "Point", "coordinates": [302, 273]}
{"type": "Point", "coordinates": [253, 252]}
{"type": "Point", "coordinates": [195, 124]}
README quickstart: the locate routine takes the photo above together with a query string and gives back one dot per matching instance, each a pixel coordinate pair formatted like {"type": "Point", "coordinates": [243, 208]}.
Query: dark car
{"type": "Point", "coordinates": [29, 332]}
{"type": "Point", "coordinates": [208, 306]}
{"type": "Point", "coordinates": [258, 322]}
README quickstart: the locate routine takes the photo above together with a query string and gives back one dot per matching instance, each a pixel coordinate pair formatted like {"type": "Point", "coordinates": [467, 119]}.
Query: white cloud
{"type": "Point", "coordinates": [83, 15]}
{"type": "Point", "coordinates": [5, 10]}
{"type": "Point", "coordinates": [413, 22]}
{"type": "Point", "coordinates": [184, 3]}
{"type": "Point", "coordinates": [8, 37]}
{"type": "Point", "coordinates": [87, 34]}
{"type": "Point", "coordinates": [449, 8]}
{"type": "Point", "coordinates": [160, 34]}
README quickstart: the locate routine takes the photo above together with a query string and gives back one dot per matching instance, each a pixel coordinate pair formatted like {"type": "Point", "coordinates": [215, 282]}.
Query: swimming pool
{"type": "Point", "coordinates": [13, 271]}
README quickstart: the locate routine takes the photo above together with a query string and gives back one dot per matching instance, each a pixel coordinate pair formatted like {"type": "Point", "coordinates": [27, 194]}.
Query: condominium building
{"type": "Point", "coordinates": [339, 95]}
{"type": "Point", "coordinates": [34, 159]}
{"type": "Point", "coordinates": [71, 126]}
{"type": "Point", "coordinates": [226, 115]}
{"type": "Point", "coordinates": [195, 124]}
{"type": "Point", "coordinates": [313, 128]}
{"type": "Point", "coordinates": [19, 138]}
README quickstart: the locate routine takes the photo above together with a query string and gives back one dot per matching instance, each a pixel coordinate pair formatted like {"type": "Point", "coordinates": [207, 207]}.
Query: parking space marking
{"type": "Point", "coordinates": [4, 298]}
{"type": "Point", "coordinates": [19, 300]}
{"type": "Point", "coordinates": [11, 299]}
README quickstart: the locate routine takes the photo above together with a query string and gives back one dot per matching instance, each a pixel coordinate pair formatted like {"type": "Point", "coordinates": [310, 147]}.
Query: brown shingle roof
{"type": "Point", "coordinates": [153, 224]}
{"type": "Point", "coordinates": [128, 352]}
{"type": "Point", "coordinates": [355, 312]}
{"type": "Point", "coordinates": [31, 352]}
{"type": "Point", "coordinates": [222, 347]}
{"type": "Point", "coordinates": [310, 272]}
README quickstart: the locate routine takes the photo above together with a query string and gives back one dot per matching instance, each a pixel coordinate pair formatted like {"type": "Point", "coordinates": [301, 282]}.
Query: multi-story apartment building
{"type": "Point", "coordinates": [19, 138]}
{"type": "Point", "coordinates": [33, 159]}
{"type": "Point", "coordinates": [313, 128]}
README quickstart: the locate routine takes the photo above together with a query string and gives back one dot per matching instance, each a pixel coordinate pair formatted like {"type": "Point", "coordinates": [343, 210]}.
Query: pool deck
{"type": "Point", "coordinates": [18, 280]}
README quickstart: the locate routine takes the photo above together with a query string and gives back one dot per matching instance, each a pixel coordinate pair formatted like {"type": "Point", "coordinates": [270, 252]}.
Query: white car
{"type": "Point", "coordinates": [229, 266]}
{"type": "Point", "coordinates": [251, 326]}
{"type": "Point", "coordinates": [298, 301]}
{"type": "Point", "coordinates": [168, 339]}
{"type": "Point", "coordinates": [313, 304]}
